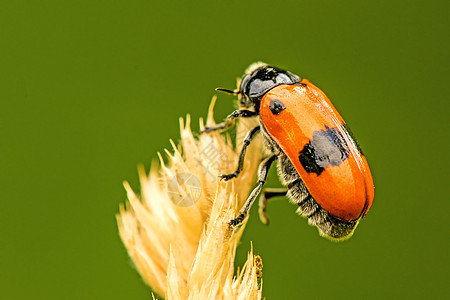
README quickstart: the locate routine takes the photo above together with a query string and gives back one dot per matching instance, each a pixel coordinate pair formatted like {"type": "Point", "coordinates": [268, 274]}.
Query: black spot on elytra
{"type": "Point", "coordinates": [352, 137]}
{"type": "Point", "coordinates": [308, 159]}
{"type": "Point", "coordinates": [276, 106]}
{"type": "Point", "coordinates": [327, 148]}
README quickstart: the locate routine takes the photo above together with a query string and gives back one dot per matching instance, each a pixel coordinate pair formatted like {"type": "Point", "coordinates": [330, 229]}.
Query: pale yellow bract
{"type": "Point", "coordinates": [187, 251]}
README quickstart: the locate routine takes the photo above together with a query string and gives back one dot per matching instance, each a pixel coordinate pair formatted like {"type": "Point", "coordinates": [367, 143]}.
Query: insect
{"type": "Point", "coordinates": [319, 160]}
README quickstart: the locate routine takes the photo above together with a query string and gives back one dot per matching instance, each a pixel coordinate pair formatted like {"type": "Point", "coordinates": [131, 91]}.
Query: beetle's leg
{"type": "Point", "coordinates": [266, 195]}
{"type": "Point", "coordinates": [229, 121]}
{"type": "Point", "coordinates": [247, 140]}
{"type": "Point", "coordinates": [264, 169]}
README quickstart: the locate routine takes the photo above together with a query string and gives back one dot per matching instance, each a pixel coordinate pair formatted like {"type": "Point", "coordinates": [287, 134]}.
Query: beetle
{"type": "Point", "coordinates": [319, 160]}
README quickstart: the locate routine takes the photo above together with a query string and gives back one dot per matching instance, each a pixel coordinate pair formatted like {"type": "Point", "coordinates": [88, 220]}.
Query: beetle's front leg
{"type": "Point", "coordinates": [229, 121]}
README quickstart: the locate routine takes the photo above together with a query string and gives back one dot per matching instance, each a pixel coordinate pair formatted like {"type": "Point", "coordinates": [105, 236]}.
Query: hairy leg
{"type": "Point", "coordinates": [263, 171]}
{"type": "Point", "coordinates": [266, 195]}
{"type": "Point", "coordinates": [247, 140]}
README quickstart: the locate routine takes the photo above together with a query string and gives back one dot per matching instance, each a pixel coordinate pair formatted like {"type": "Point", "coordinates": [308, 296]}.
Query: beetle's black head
{"type": "Point", "coordinates": [259, 81]}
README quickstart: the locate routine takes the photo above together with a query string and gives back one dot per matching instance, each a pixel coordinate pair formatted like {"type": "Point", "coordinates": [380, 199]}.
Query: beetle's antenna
{"type": "Point", "coordinates": [235, 92]}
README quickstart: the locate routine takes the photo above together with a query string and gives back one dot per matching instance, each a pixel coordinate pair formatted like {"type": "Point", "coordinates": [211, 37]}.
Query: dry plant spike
{"type": "Point", "coordinates": [176, 231]}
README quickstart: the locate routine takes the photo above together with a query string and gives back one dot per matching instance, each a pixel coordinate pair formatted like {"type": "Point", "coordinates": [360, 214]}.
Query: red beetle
{"type": "Point", "coordinates": [320, 161]}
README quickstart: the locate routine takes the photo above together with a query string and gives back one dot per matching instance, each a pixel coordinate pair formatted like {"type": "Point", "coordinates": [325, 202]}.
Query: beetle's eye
{"type": "Point", "coordinates": [244, 84]}
{"type": "Point", "coordinates": [276, 106]}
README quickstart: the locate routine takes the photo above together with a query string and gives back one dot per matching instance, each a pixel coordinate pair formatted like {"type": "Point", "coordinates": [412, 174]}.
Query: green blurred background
{"type": "Point", "coordinates": [90, 89]}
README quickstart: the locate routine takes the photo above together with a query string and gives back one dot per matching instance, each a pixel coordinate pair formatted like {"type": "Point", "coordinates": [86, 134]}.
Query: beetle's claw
{"type": "Point", "coordinates": [227, 177]}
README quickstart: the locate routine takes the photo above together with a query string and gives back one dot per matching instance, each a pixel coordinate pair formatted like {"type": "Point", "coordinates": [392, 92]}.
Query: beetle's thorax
{"type": "Point", "coordinates": [256, 83]}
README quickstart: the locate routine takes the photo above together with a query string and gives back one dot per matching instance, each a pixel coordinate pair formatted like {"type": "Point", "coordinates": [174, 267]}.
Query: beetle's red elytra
{"type": "Point", "coordinates": [319, 160]}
